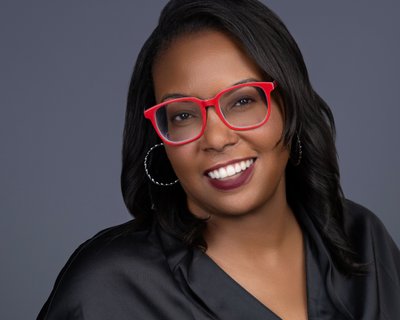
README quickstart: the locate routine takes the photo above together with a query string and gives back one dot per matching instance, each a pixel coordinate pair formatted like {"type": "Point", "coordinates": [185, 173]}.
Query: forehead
{"type": "Point", "coordinates": [201, 64]}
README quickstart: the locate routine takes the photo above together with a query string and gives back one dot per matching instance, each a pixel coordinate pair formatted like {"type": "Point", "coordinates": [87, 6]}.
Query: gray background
{"type": "Point", "coordinates": [64, 73]}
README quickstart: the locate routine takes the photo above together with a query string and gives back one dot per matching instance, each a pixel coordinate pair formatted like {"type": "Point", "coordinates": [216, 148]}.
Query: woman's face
{"type": "Point", "coordinates": [201, 65]}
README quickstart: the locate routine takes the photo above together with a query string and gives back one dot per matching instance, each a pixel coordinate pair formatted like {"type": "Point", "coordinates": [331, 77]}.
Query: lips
{"type": "Point", "coordinates": [231, 175]}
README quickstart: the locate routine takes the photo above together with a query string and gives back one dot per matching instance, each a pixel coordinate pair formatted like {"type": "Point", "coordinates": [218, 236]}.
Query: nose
{"type": "Point", "coordinates": [217, 136]}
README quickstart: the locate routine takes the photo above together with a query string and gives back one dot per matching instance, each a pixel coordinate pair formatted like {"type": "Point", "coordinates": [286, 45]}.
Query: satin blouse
{"type": "Point", "coordinates": [136, 272]}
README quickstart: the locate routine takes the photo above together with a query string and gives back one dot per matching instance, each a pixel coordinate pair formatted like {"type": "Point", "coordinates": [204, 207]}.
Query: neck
{"type": "Point", "coordinates": [259, 233]}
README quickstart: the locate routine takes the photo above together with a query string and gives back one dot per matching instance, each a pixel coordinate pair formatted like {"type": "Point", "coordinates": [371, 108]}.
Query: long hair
{"type": "Point", "coordinates": [313, 186]}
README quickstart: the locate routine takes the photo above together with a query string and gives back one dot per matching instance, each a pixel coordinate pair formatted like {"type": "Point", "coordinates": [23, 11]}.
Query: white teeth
{"type": "Point", "coordinates": [222, 173]}
{"type": "Point", "coordinates": [230, 170]}
{"type": "Point", "coordinates": [238, 168]}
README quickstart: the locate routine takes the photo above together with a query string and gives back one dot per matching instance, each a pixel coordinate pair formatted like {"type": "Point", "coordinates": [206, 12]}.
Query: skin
{"type": "Point", "coordinates": [252, 233]}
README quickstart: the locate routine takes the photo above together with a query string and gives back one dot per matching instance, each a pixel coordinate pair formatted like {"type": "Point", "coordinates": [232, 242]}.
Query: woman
{"type": "Point", "coordinates": [239, 210]}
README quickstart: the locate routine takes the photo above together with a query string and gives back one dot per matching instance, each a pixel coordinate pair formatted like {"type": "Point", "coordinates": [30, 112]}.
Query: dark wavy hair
{"type": "Point", "coordinates": [312, 187]}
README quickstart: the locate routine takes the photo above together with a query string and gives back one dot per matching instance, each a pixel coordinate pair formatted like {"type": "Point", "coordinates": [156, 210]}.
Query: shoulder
{"type": "Point", "coordinates": [105, 270]}
{"type": "Point", "coordinates": [355, 214]}
{"type": "Point", "coordinates": [371, 240]}
{"type": "Point", "coordinates": [361, 222]}
{"type": "Point", "coordinates": [111, 248]}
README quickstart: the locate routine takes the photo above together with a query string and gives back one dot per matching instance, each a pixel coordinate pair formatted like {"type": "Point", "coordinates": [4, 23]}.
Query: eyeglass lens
{"type": "Point", "coordinates": [242, 108]}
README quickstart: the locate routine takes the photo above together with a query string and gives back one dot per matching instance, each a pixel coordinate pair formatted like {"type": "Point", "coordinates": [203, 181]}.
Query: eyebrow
{"type": "Point", "coordinates": [180, 95]}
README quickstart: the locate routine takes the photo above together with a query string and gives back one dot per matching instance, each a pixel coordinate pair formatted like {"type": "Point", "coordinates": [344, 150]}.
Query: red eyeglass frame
{"type": "Point", "coordinates": [267, 87]}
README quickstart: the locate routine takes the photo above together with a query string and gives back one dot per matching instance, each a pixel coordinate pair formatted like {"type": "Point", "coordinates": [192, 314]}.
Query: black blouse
{"type": "Point", "coordinates": [133, 272]}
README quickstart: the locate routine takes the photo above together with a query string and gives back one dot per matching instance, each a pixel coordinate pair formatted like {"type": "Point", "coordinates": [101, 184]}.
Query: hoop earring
{"type": "Point", "coordinates": [161, 184]}
{"type": "Point", "coordinates": [297, 153]}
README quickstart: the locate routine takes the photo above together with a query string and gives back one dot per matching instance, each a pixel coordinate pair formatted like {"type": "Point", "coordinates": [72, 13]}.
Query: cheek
{"type": "Point", "coordinates": [182, 160]}
{"type": "Point", "coordinates": [269, 144]}
{"type": "Point", "coordinates": [269, 136]}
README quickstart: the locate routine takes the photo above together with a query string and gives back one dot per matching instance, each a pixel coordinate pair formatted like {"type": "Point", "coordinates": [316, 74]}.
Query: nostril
{"type": "Point", "coordinates": [218, 141]}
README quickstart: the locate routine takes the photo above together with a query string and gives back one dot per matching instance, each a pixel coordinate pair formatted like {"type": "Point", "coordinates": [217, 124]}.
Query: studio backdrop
{"type": "Point", "coordinates": [64, 73]}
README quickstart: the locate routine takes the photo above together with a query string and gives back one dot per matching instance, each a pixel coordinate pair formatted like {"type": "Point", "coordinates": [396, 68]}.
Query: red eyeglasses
{"type": "Point", "coordinates": [241, 107]}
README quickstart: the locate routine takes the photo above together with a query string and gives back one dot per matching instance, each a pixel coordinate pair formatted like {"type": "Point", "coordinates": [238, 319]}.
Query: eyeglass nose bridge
{"type": "Point", "coordinates": [213, 102]}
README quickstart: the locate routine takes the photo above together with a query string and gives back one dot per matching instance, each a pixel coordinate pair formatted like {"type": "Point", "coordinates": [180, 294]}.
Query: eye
{"type": "Point", "coordinates": [243, 101]}
{"type": "Point", "coordinates": [182, 116]}
{"type": "Point", "coordinates": [182, 113]}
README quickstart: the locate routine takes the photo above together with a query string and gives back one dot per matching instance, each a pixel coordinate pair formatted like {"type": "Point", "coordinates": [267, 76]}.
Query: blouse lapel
{"type": "Point", "coordinates": [354, 296]}
{"type": "Point", "coordinates": [223, 295]}
{"type": "Point", "coordinates": [208, 286]}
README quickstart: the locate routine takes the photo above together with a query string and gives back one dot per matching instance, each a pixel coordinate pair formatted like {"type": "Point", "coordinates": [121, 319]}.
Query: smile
{"type": "Point", "coordinates": [231, 169]}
